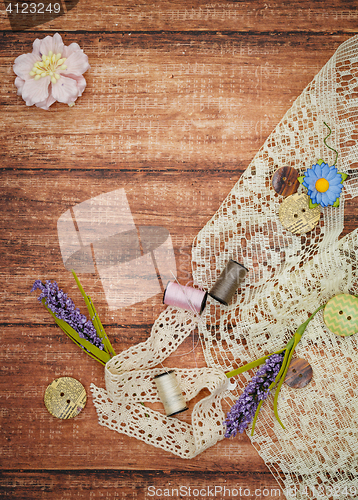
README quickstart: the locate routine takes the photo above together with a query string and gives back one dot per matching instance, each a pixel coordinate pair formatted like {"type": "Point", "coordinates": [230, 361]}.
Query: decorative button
{"type": "Point", "coordinates": [341, 315]}
{"type": "Point", "coordinates": [299, 373]}
{"type": "Point", "coordinates": [65, 397]}
{"type": "Point", "coordinates": [296, 216]}
{"type": "Point", "coordinates": [285, 181]}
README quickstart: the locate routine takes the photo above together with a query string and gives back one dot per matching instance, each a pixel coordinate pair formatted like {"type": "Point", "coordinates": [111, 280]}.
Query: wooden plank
{"type": "Point", "coordinates": [174, 119]}
{"type": "Point", "coordinates": [33, 201]}
{"type": "Point", "coordinates": [163, 101]}
{"type": "Point", "coordinates": [31, 358]}
{"type": "Point", "coordinates": [140, 485]}
{"type": "Point", "coordinates": [198, 15]}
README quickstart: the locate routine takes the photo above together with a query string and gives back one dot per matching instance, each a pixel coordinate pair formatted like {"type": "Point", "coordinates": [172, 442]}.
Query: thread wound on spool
{"type": "Point", "coordinates": [185, 297]}
{"type": "Point", "coordinates": [228, 282]}
{"type": "Point", "coordinates": [170, 393]}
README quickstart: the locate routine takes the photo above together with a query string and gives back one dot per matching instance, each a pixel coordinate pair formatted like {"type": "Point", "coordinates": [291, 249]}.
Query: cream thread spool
{"type": "Point", "coordinates": [170, 393]}
{"type": "Point", "coordinates": [185, 297]}
{"type": "Point", "coordinates": [228, 282]}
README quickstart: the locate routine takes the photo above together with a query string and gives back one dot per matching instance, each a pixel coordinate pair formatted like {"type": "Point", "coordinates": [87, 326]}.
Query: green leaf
{"type": "Point", "coordinates": [101, 332]}
{"type": "Point", "coordinates": [301, 179]}
{"type": "Point", "coordinates": [320, 162]}
{"type": "Point", "coordinates": [250, 366]}
{"type": "Point", "coordinates": [94, 351]}
{"type": "Point", "coordinates": [344, 176]}
{"type": "Point", "coordinates": [94, 318]}
{"type": "Point", "coordinates": [336, 203]}
{"type": "Point", "coordinates": [256, 415]}
{"type": "Point", "coordinates": [312, 205]}
{"type": "Point", "coordinates": [282, 375]}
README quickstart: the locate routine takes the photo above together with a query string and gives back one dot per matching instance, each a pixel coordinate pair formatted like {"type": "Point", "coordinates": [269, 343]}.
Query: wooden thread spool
{"type": "Point", "coordinates": [185, 297]}
{"type": "Point", "coordinates": [170, 393]}
{"type": "Point", "coordinates": [228, 282]}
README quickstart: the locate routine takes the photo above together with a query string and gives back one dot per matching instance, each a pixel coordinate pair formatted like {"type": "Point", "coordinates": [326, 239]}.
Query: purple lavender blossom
{"type": "Point", "coordinates": [244, 409]}
{"type": "Point", "coordinates": [64, 308]}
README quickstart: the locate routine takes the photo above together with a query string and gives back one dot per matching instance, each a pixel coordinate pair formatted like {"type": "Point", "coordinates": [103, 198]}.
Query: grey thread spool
{"type": "Point", "coordinates": [228, 282]}
{"type": "Point", "coordinates": [170, 393]}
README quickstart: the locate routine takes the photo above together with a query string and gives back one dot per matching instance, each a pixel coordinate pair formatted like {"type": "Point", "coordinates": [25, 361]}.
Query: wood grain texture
{"type": "Point", "coordinates": [179, 99]}
{"type": "Point", "coordinates": [136, 485]}
{"type": "Point", "coordinates": [197, 15]}
{"type": "Point", "coordinates": [169, 101]}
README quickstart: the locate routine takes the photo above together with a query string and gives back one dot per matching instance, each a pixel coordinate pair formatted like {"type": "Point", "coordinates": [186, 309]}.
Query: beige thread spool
{"type": "Point", "coordinates": [170, 393]}
{"type": "Point", "coordinates": [228, 282]}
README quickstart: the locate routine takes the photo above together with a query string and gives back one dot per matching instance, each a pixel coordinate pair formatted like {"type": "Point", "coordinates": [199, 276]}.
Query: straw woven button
{"type": "Point", "coordinates": [296, 216]}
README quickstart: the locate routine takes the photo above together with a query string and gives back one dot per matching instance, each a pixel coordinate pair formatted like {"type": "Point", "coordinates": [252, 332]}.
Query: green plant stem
{"type": "Point", "coordinates": [290, 349]}
{"type": "Point", "coordinates": [329, 147]}
{"type": "Point", "coordinates": [280, 377]}
{"type": "Point", "coordinates": [102, 334]}
{"type": "Point", "coordinates": [95, 319]}
{"type": "Point", "coordinates": [90, 349]}
{"type": "Point", "coordinates": [249, 366]}
{"type": "Point", "coordinates": [256, 416]}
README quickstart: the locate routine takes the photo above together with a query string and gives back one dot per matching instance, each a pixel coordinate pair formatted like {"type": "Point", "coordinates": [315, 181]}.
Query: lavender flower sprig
{"type": "Point", "coordinates": [87, 334]}
{"type": "Point", "coordinates": [257, 390]}
{"type": "Point", "coordinates": [247, 407]}
{"type": "Point", "coordinates": [64, 308]}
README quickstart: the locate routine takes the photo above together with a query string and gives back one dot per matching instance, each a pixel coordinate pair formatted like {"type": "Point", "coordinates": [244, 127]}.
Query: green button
{"type": "Point", "coordinates": [341, 315]}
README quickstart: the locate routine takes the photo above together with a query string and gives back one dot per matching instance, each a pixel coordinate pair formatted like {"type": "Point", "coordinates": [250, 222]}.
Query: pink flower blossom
{"type": "Point", "coordinates": [52, 72]}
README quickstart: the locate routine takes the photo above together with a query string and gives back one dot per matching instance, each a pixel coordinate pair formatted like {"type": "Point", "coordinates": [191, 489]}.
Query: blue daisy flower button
{"type": "Point", "coordinates": [324, 184]}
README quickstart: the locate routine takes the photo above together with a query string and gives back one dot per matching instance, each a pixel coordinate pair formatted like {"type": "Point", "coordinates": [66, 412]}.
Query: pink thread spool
{"type": "Point", "coordinates": [185, 297]}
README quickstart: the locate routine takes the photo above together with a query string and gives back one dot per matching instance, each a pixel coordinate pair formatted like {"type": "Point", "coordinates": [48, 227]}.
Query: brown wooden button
{"type": "Point", "coordinates": [299, 373]}
{"type": "Point", "coordinates": [284, 181]}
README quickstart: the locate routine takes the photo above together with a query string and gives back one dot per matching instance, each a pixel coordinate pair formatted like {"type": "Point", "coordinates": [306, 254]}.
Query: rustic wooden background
{"type": "Point", "coordinates": [179, 98]}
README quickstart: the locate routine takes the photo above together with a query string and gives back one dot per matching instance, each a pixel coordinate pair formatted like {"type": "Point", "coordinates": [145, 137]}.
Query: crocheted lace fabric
{"type": "Point", "coordinates": [289, 277]}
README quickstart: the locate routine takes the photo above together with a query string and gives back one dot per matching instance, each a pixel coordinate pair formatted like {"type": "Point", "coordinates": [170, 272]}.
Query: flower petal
{"type": "Point", "coordinates": [58, 45]}
{"type": "Point", "coordinates": [53, 43]}
{"type": "Point", "coordinates": [68, 50]}
{"type": "Point", "coordinates": [19, 82]}
{"type": "Point", "coordinates": [36, 48]}
{"type": "Point", "coordinates": [332, 173]}
{"type": "Point", "coordinates": [337, 180]}
{"type": "Point", "coordinates": [77, 63]}
{"type": "Point", "coordinates": [35, 90]}
{"type": "Point", "coordinates": [310, 183]}
{"type": "Point", "coordinates": [81, 83]}
{"type": "Point", "coordinates": [24, 64]}
{"type": "Point", "coordinates": [325, 199]}
{"type": "Point", "coordinates": [325, 170]}
{"type": "Point", "coordinates": [310, 173]}
{"type": "Point", "coordinates": [317, 170]}
{"type": "Point", "coordinates": [335, 191]}
{"type": "Point", "coordinates": [65, 90]}
{"type": "Point", "coordinates": [46, 103]}
{"type": "Point", "coordinates": [318, 197]}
